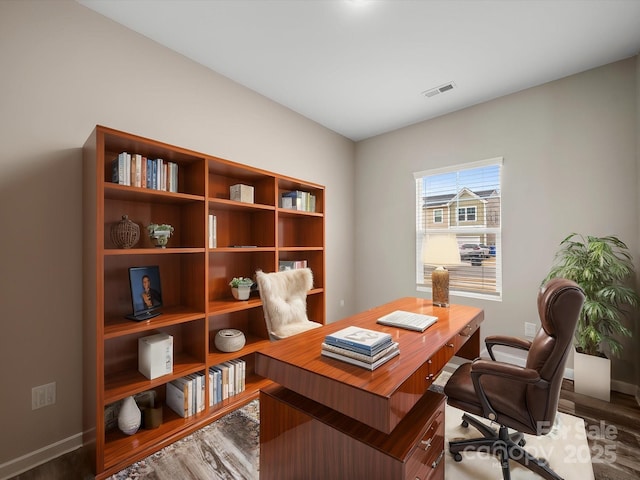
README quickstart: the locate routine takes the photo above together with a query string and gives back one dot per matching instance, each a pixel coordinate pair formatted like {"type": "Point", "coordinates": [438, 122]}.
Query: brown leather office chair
{"type": "Point", "coordinates": [521, 398]}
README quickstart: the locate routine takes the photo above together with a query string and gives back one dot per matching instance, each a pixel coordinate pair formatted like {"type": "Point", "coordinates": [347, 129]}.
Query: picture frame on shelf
{"type": "Point", "coordinates": [146, 292]}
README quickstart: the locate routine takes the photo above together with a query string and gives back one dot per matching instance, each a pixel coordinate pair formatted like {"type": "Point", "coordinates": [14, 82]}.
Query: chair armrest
{"type": "Point", "coordinates": [513, 342]}
{"type": "Point", "coordinates": [512, 373]}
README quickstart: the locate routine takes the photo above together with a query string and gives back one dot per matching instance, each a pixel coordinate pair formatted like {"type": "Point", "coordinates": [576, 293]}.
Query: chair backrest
{"type": "Point", "coordinates": [284, 300]}
{"type": "Point", "coordinates": [559, 304]}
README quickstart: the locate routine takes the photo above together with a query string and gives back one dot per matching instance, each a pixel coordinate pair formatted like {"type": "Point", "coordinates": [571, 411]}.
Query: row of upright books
{"type": "Point", "coordinates": [298, 200]}
{"type": "Point", "coordinates": [185, 395]}
{"type": "Point", "coordinates": [135, 170]}
{"type": "Point", "coordinates": [291, 264]}
{"type": "Point", "coordinates": [226, 380]}
{"type": "Point", "coordinates": [360, 346]}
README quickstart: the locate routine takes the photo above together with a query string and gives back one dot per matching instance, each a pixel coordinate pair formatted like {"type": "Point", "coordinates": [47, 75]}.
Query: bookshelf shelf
{"type": "Point", "coordinates": [194, 277]}
{"type": "Point", "coordinates": [119, 326]}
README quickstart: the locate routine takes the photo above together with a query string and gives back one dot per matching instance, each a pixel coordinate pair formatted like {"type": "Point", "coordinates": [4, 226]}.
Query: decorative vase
{"type": "Point", "coordinates": [241, 293]}
{"type": "Point", "coordinates": [125, 233]}
{"type": "Point", "coordinates": [160, 238]}
{"type": "Point", "coordinates": [129, 418]}
{"type": "Point", "coordinates": [229, 340]}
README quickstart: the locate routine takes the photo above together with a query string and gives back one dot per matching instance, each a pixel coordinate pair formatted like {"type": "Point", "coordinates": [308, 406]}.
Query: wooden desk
{"type": "Point", "coordinates": [360, 411]}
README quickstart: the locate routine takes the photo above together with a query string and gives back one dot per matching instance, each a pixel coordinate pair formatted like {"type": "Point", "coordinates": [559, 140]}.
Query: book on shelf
{"type": "Point", "coordinates": [409, 320]}
{"type": "Point", "coordinates": [118, 169]}
{"type": "Point", "coordinates": [359, 356]}
{"type": "Point", "coordinates": [368, 365]}
{"type": "Point", "coordinates": [291, 264]}
{"type": "Point", "coordinates": [361, 340]}
{"type": "Point", "coordinates": [298, 200]}
{"type": "Point", "coordinates": [213, 236]}
{"type": "Point", "coordinates": [185, 384]}
{"type": "Point", "coordinates": [197, 384]}
{"type": "Point", "coordinates": [177, 398]}
{"type": "Point", "coordinates": [215, 386]}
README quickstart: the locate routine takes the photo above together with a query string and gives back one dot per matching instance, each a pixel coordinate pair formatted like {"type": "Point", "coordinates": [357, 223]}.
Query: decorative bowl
{"type": "Point", "coordinates": [229, 340]}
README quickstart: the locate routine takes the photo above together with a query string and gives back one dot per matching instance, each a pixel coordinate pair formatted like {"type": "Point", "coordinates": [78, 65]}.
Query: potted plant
{"type": "Point", "coordinates": [599, 265]}
{"type": "Point", "coordinates": [160, 233]}
{"type": "Point", "coordinates": [241, 287]}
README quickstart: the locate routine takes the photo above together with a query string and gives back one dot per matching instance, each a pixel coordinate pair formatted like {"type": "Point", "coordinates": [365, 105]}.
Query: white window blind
{"type": "Point", "coordinates": [464, 200]}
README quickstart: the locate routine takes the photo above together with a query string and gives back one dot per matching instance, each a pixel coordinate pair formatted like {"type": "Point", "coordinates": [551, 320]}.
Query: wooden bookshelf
{"type": "Point", "coordinates": [196, 295]}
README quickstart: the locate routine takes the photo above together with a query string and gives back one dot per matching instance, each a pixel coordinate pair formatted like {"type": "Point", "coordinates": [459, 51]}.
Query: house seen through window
{"type": "Point", "coordinates": [464, 201]}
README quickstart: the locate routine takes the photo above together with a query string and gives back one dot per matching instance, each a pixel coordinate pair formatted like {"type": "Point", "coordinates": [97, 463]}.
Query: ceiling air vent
{"type": "Point", "coordinates": [438, 90]}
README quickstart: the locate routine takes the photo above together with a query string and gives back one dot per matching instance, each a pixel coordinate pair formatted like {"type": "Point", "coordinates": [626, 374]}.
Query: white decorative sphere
{"type": "Point", "coordinates": [229, 340]}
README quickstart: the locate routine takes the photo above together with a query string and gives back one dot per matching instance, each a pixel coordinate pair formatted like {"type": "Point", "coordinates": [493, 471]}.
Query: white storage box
{"type": "Point", "coordinates": [155, 355]}
{"type": "Point", "coordinates": [242, 193]}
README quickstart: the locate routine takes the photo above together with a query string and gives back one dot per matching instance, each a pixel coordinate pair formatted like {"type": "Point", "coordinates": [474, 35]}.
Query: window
{"type": "Point", "coordinates": [464, 200]}
{"type": "Point", "coordinates": [467, 214]}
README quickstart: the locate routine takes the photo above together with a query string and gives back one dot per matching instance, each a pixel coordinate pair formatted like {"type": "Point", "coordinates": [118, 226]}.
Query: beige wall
{"type": "Point", "coordinates": [570, 165]}
{"type": "Point", "coordinates": [64, 70]}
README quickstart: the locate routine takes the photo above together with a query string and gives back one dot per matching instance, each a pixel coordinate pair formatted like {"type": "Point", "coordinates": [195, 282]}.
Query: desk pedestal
{"type": "Point", "coordinates": [300, 438]}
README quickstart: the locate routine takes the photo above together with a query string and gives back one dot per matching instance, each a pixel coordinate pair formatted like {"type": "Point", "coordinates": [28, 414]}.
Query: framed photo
{"type": "Point", "coordinates": [146, 292]}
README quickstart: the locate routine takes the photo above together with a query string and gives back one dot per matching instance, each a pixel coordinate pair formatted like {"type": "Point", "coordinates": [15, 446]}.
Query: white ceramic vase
{"type": "Point", "coordinates": [129, 418]}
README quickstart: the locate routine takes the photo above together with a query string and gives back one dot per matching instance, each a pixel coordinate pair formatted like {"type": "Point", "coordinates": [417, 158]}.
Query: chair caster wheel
{"type": "Point", "coordinates": [465, 424]}
{"type": "Point", "coordinates": [457, 457]}
{"type": "Point", "coordinates": [522, 442]}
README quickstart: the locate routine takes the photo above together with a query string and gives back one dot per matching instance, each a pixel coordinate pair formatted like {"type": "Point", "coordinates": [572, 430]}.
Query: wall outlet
{"type": "Point", "coordinates": [529, 329]}
{"type": "Point", "coordinates": [43, 395]}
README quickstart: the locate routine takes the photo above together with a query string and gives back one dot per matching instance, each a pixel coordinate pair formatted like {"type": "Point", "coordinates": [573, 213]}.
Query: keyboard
{"type": "Point", "coordinates": [409, 320]}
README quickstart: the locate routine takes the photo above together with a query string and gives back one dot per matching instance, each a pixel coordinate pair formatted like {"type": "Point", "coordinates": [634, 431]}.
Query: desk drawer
{"type": "Point", "coordinates": [436, 363]}
{"type": "Point", "coordinates": [427, 457]}
{"type": "Point", "coordinates": [458, 341]}
{"type": "Point", "coordinates": [467, 331]}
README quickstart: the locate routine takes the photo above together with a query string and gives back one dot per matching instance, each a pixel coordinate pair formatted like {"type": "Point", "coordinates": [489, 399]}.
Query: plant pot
{"type": "Point", "coordinates": [160, 238]}
{"type": "Point", "coordinates": [241, 293]}
{"type": "Point", "coordinates": [592, 376]}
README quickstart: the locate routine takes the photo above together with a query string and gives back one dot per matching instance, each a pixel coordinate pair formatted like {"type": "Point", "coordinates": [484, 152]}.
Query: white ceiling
{"type": "Point", "coordinates": [359, 68]}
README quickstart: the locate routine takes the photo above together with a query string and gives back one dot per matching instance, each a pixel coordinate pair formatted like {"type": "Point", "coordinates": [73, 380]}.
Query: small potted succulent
{"type": "Point", "coordinates": [241, 287]}
{"type": "Point", "coordinates": [160, 233]}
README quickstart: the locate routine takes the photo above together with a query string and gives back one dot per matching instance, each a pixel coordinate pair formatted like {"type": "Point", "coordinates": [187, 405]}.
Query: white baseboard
{"type": "Point", "coordinates": [38, 457]}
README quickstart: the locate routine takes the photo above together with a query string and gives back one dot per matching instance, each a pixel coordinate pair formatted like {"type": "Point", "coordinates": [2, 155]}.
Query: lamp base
{"type": "Point", "coordinates": [440, 287]}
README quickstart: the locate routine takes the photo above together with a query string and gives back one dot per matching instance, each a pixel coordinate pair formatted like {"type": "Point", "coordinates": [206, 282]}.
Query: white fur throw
{"type": "Point", "coordinates": [284, 298]}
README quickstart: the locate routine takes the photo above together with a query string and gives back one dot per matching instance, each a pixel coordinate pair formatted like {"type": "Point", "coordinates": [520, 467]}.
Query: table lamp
{"type": "Point", "coordinates": [439, 251]}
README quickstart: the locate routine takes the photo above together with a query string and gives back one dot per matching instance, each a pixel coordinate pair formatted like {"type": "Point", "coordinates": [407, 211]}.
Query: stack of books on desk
{"type": "Point", "coordinates": [360, 346]}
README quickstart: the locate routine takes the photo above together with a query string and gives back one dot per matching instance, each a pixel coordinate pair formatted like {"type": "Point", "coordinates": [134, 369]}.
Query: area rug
{"type": "Point", "coordinates": [229, 449]}
{"type": "Point", "coordinates": [565, 448]}
{"type": "Point", "coordinates": [226, 449]}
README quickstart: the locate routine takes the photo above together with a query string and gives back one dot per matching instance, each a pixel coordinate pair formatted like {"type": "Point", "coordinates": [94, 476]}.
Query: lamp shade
{"type": "Point", "coordinates": [440, 250]}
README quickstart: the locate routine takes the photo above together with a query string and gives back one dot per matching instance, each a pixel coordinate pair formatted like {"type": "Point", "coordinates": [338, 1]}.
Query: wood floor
{"type": "Point", "coordinates": [613, 431]}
